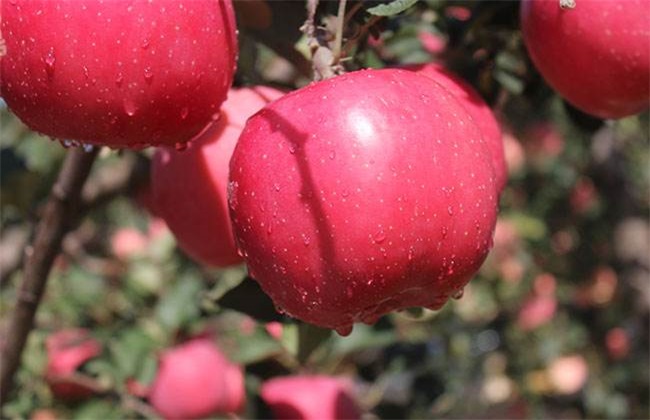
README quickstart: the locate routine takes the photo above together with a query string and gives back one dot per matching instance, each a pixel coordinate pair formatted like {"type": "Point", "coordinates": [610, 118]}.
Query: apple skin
{"type": "Point", "coordinates": [596, 55]}
{"type": "Point", "coordinates": [310, 397]}
{"type": "Point", "coordinates": [116, 73]}
{"type": "Point", "coordinates": [189, 187]}
{"type": "Point", "coordinates": [67, 350]}
{"type": "Point", "coordinates": [195, 380]}
{"type": "Point", "coordinates": [477, 108]}
{"type": "Point", "coordinates": [351, 198]}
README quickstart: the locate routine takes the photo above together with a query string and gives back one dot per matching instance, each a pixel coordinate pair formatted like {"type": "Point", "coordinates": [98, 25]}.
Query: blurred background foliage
{"type": "Point", "coordinates": [554, 326]}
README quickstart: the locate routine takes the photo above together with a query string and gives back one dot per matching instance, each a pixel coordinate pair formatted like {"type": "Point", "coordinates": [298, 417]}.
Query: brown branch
{"type": "Point", "coordinates": [58, 218]}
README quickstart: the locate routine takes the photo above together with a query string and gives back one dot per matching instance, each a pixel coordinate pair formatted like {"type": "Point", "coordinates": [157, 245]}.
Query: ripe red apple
{"type": "Point", "coordinates": [195, 380]}
{"type": "Point", "coordinates": [116, 73]}
{"type": "Point", "coordinates": [310, 397]}
{"type": "Point", "coordinates": [595, 55]}
{"type": "Point", "coordinates": [67, 350]}
{"type": "Point", "coordinates": [359, 195]}
{"type": "Point", "coordinates": [189, 187]}
{"type": "Point", "coordinates": [477, 108]}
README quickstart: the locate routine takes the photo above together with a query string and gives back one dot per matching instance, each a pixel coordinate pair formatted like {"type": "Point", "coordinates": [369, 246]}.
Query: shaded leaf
{"type": "Point", "coordinates": [392, 8]}
{"type": "Point", "coordinates": [249, 298]}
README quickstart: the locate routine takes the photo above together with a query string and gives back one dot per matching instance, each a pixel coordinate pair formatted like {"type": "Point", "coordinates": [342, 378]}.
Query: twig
{"type": "Point", "coordinates": [58, 218]}
{"type": "Point", "coordinates": [336, 52]}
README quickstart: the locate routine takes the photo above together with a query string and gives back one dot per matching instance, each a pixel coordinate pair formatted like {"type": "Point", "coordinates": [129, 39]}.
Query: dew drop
{"type": "Point", "coordinates": [450, 210]}
{"type": "Point", "coordinates": [145, 44]}
{"type": "Point", "coordinates": [49, 61]}
{"type": "Point", "coordinates": [87, 147]}
{"type": "Point", "coordinates": [345, 193]}
{"type": "Point", "coordinates": [344, 330]}
{"type": "Point", "coordinates": [184, 112]}
{"type": "Point", "coordinates": [280, 310]}
{"type": "Point", "coordinates": [379, 237]}
{"type": "Point", "coordinates": [306, 239]}
{"type": "Point", "coordinates": [119, 80]}
{"type": "Point", "coordinates": [180, 146]}
{"type": "Point", "coordinates": [148, 75]}
{"type": "Point", "coordinates": [332, 154]}
{"type": "Point", "coordinates": [292, 148]}
{"type": "Point", "coordinates": [458, 294]}
{"type": "Point", "coordinates": [129, 107]}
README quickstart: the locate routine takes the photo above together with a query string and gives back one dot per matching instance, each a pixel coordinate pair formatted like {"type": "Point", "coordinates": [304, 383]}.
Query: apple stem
{"type": "Point", "coordinates": [60, 213]}
{"type": "Point", "coordinates": [324, 62]}
{"type": "Point", "coordinates": [338, 40]}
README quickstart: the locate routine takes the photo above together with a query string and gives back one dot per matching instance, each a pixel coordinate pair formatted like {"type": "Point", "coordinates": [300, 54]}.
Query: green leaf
{"type": "Point", "coordinates": [180, 304]}
{"type": "Point", "coordinates": [392, 8]}
{"type": "Point", "coordinates": [249, 298]}
{"type": "Point", "coordinates": [256, 347]}
{"type": "Point", "coordinates": [129, 352]}
{"type": "Point", "coordinates": [97, 409]}
{"type": "Point", "coordinates": [310, 338]}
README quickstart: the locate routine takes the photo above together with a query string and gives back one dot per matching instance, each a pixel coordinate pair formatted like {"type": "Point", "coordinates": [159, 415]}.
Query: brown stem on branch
{"type": "Point", "coordinates": [338, 40]}
{"type": "Point", "coordinates": [59, 216]}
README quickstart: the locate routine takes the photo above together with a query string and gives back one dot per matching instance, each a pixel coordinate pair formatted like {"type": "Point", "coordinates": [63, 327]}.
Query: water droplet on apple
{"type": "Point", "coordinates": [458, 294]}
{"type": "Point", "coordinates": [49, 61]}
{"type": "Point", "coordinates": [185, 111]}
{"type": "Point", "coordinates": [119, 80]}
{"type": "Point", "coordinates": [379, 236]}
{"type": "Point", "coordinates": [129, 107]}
{"type": "Point", "coordinates": [148, 75]}
{"type": "Point", "coordinates": [344, 330]}
{"type": "Point", "coordinates": [180, 146]}
{"type": "Point", "coordinates": [145, 44]}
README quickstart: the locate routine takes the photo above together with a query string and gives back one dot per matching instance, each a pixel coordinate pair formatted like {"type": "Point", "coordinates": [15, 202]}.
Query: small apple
{"type": "Point", "coordinates": [67, 350]}
{"type": "Point", "coordinates": [196, 380]}
{"type": "Point", "coordinates": [311, 397]}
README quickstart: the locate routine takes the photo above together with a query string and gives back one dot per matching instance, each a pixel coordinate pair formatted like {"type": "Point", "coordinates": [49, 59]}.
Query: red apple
{"type": "Point", "coordinates": [359, 195]}
{"type": "Point", "coordinates": [595, 55]}
{"type": "Point", "coordinates": [189, 187]}
{"type": "Point", "coordinates": [307, 397]}
{"type": "Point", "coordinates": [116, 73]}
{"type": "Point", "coordinates": [477, 108]}
{"type": "Point", "coordinates": [195, 380]}
{"type": "Point", "coordinates": [67, 350]}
